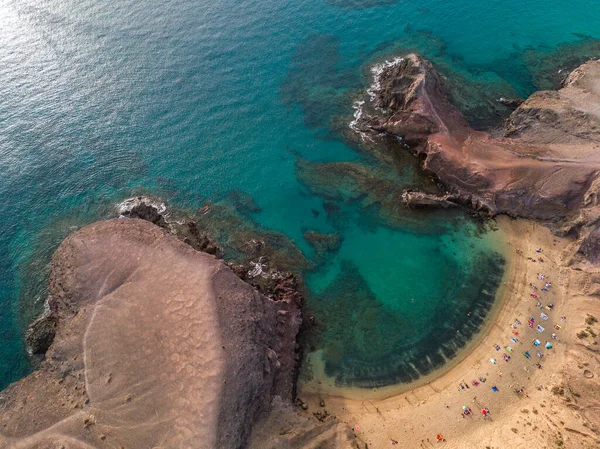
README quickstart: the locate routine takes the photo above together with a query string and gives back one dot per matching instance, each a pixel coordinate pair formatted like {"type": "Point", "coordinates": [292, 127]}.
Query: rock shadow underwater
{"type": "Point", "coordinates": [366, 343]}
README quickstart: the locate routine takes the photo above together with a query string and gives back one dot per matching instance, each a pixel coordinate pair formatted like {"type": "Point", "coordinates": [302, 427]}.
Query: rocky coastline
{"type": "Point", "coordinates": [150, 259]}
{"type": "Point", "coordinates": [543, 164]}
{"type": "Point", "coordinates": [212, 355]}
{"type": "Point", "coordinates": [215, 350]}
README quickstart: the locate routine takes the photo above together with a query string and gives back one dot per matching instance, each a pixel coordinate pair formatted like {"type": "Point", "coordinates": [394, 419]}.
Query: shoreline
{"type": "Point", "coordinates": [498, 243]}
{"type": "Point", "coordinates": [408, 414]}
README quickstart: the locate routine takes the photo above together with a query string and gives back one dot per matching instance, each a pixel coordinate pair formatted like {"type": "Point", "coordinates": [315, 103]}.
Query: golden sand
{"type": "Point", "coordinates": [559, 405]}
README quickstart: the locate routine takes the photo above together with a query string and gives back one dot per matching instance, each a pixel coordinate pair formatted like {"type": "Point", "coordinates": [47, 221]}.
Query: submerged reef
{"type": "Point", "coordinates": [545, 68]}
{"type": "Point", "coordinates": [319, 84]}
{"type": "Point", "coordinates": [377, 191]}
{"type": "Point", "coordinates": [323, 244]}
{"type": "Point", "coordinates": [223, 229]}
{"type": "Point", "coordinates": [366, 343]}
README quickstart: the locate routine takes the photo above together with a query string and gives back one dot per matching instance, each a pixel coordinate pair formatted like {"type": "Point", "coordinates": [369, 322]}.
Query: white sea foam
{"type": "Point", "coordinates": [358, 113]}
{"type": "Point", "coordinates": [358, 106]}
{"type": "Point", "coordinates": [377, 70]}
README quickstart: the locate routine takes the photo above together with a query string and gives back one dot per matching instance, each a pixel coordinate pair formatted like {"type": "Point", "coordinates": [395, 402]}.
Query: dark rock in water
{"type": "Point", "coordinates": [243, 202]}
{"type": "Point", "coordinates": [421, 199]}
{"type": "Point", "coordinates": [272, 283]}
{"type": "Point", "coordinates": [377, 189]}
{"type": "Point", "coordinates": [323, 242]}
{"type": "Point", "coordinates": [512, 103]}
{"type": "Point", "coordinates": [191, 234]}
{"type": "Point", "coordinates": [155, 212]}
{"type": "Point", "coordinates": [145, 209]}
{"type": "Point", "coordinates": [40, 334]}
{"type": "Point", "coordinates": [550, 69]}
{"type": "Point", "coordinates": [242, 240]}
{"type": "Point", "coordinates": [331, 208]}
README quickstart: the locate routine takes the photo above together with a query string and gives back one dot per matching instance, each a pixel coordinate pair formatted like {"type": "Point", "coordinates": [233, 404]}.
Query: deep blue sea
{"type": "Point", "coordinates": [192, 100]}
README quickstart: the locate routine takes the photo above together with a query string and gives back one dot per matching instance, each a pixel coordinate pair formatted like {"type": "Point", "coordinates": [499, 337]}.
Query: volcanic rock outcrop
{"type": "Point", "coordinates": [417, 199]}
{"type": "Point", "coordinates": [544, 164]}
{"type": "Point", "coordinates": [157, 346]}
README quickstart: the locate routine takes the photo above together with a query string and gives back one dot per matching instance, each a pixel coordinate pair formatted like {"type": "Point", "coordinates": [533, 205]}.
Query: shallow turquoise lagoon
{"type": "Point", "coordinates": [190, 100]}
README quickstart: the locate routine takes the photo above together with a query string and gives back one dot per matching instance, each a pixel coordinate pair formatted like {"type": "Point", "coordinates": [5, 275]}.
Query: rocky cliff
{"type": "Point", "coordinates": [157, 345]}
{"type": "Point", "coordinates": [543, 165]}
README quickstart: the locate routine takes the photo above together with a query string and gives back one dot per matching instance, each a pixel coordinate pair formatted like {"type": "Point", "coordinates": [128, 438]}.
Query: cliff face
{"type": "Point", "coordinates": [157, 345]}
{"type": "Point", "coordinates": [544, 165]}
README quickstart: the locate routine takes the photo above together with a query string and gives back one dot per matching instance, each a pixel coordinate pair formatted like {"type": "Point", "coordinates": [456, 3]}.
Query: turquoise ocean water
{"type": "Point", "coordinates": [191, 100]}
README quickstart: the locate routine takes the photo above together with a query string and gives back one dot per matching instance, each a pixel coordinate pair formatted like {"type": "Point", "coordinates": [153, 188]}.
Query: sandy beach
{"type": "Point", "coordinates": [554, 404]}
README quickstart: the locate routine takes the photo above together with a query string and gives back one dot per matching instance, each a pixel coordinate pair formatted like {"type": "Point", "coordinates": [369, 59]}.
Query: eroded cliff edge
{"type": "Point", "coordinates": [157, 345]}
{"type": "Point", "coordinates": [543, 164]}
